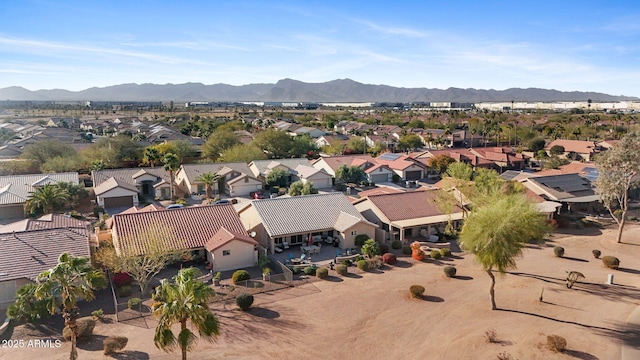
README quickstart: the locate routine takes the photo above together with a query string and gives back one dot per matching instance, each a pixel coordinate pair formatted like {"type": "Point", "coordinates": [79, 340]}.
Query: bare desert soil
{"type": "Point", "coordinates": [370, 315]}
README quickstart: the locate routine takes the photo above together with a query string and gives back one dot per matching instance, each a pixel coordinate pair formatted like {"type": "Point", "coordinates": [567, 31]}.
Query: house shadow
{"type": "Point", "coordinates": [263, 313]}
{"type": "Point", "coordinates": [627, 334]}
{"type": "Point", "coordinates": [403, 264]}
{"type": "Point", "coordinates": [130, 355]}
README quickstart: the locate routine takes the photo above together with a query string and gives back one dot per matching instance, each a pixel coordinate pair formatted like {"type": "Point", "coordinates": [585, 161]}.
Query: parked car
{"type": "Point", "coordinates": [258, 195]}
{"type": "Point", "coordinates": [222, 201]}
{"type": "Point", "coordinates": [175, 206]}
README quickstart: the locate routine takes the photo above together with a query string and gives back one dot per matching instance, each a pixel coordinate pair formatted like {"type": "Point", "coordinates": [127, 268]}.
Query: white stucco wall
{"type": "Point", "coordinates": [241, 255]}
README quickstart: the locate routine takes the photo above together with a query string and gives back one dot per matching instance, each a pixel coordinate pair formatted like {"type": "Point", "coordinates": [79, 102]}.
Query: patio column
{"type": "Point", "coordinates": [401, 230]}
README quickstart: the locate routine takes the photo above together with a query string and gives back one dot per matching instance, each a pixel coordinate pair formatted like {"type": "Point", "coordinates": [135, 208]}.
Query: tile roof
{"type": "Point", "coordinates": [301, 214]}
{"type": "Point", "coordinates": [113, 183]}
{"type": "Point", "coordinates": [32, 252]}
{"type": "Point", "coordinates": [127, 175]}
{"type": "Point", "coordinates": [561, 187]}
{"type": "Point", "coordinates": [304, 171]}
{"type": "Point", "coordinates": [334, 162]}
{"type": "Point", "coordinates": [50, 221]}
{"type": "Point", "coordinates": [409, 205]}
{"type": "Point", "coordinates": [192, 171]}
{"type": "Point", "coordinates": [263, 165]}
{"type": "Point", "coordinates": [577, 146]}
{"type": "Point", "coordinates": [15, 189]}
{"type": "Point", "coordinates": [223, 237]}
{"type": "Point", "coordinates": [379, 191]}
{"type": "Point", "coordinates": [186, 228]}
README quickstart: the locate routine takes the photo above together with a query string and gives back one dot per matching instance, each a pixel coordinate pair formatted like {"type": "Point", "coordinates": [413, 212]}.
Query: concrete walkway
{"type": "Point", "coordinates": [631, 351]}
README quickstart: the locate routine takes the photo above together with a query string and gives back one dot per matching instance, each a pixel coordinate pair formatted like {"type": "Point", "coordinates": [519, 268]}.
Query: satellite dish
{"type": "Point", "coordinates": [252, 234]}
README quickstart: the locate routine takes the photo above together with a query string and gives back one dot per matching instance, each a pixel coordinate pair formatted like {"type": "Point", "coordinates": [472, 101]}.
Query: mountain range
{"type": "Point", "coordinates": [288, 90]}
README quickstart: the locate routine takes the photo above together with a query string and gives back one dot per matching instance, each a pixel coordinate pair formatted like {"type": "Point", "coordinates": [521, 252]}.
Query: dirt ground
{"type": "Point", "coordinates": [371, 316]}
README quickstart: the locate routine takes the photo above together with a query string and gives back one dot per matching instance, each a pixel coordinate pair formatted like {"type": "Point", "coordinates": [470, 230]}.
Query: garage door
{"type": "Point", "coordinates": [414, 175]}
{"type": "Point", "coordinates": [120, 201]}
{"type": "Point", "coordinates": [378, 178]}
{"type": "Point", "coordinates": [12, 212]}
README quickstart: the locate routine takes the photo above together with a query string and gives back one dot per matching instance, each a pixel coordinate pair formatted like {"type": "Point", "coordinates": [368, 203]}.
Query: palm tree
{"type": "Point", "coordinates": [171, 164]}
{"type": "Point", "coordinates": [208, 179]}
{"type": "Point", "coordinates": [72, 278]}
{"type": "Point", "coordinates": [187, 298]}
{"type": "Point", "coordinates": [151, 156]}
{"type": "Point", "coordinates": [498, 229]}
{"type": "Point", "coordinates": [46, 198]}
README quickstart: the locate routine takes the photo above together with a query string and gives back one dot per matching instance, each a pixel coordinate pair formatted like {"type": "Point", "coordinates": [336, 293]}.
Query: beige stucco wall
{"type": "Point", "coordinates": [349, 239]}
{"type": "Point", "coordinates": [242, 255]}
{"type": "Point", "coordinates": [117, 192]}
{"type": "Point", "coordinates": [241, 188]}
{"type": "Point", "coordinates": [319, 181]}
{"type": "Point", "coordinates": [8, 291]}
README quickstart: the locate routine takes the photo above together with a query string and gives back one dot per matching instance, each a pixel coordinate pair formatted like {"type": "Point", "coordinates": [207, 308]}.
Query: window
{"type": "Point", "coordinates": [226, 252]}
{"type": "Point", "coordinates": [246, 179]}
{"type": "Point", "coordinates": [354, 233]}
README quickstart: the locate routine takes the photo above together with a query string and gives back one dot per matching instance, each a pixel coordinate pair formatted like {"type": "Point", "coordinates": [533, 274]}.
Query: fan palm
{"type": "Point", "coordinates": [208, 179]}
{"type": "Point", "coordinates": [46, 198]}
{"type": "Point", "coordinates": [151, 156]}
{"type": "Point", "coordinates": [171, 164]}
{"type": "Point", "coordinates": [184, 299]}
{"type": "Point", "coordinates": [72, 278]}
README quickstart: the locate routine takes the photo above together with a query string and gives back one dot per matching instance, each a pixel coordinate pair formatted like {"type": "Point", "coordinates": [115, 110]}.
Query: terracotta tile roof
{"type": "Point", "coordinates": [401, 162]}
{"type": "Point", "coordinates": [186, 228]}
{"type": "Point", "coordinates": [410, 205]}
{"type": "Point", "coordinates": [379, 191]}
{"type": "Point", "coordinates": [50, 221]}
{"type": "Point", "coordinates": [334, 162]}
{"type": "Point", "coordinates": [576, 146]}
{"type": "Point", "coordinates": [223, 237]}
{"type": "Point", "coordinates": [32, 252]}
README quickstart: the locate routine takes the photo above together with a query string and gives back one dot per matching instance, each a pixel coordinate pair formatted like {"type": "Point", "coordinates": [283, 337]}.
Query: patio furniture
{"type": "Point", "coordinates": [278, 249]}
{"type": "Point", "coordinates": [285, 244]}
{"type": "Point", "coordinates": [302, 257]}
{"type": "Point", "coordinates": [329, 240]}
{"type": "Point", "coordinates": [290, 256]}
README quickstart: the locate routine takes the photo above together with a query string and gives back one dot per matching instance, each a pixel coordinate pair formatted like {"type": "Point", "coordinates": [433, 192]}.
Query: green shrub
{"type": "Point", "coordinates": [112, 344]}
{"type": "Point", "coordinates": [342, 269]}
{"type": "Point", "coordinates": [182, 202]}
{"type": "Point", "coordinates": [134, 303]}
{"type": "Point", "coordinates": [384, 248]}
{"type": "Point", "coordinates": [347, 262]}
{"type": "Point", "coordinates": [445, 252]}
{"type": "Point", "coordinates": [322, 273]}
{"type": "Point", "coordinates": [240, 275]}
{"type": "Point", "coordinates": [124, 291]}
{"type": "Point", "coordinates": [98, 314]}
{"type": "Point", "coordinates": [370, 248]}
{"type": "Point", "coordinates": [596, 253]}
{"type": "Point", "coordinates": [360, 239]}
{"type": "Point", "coordinates": [363, 265]}
{"type": "Point", "coordinates": [358, 258]}
{"type": "Point", "coordinates": [406, 250]}
{"type": "Point", "coordinates": [416, 291]}
{"type": "Point", "coordinates": [558, 251]}
{"type": "Point", "coordinates": [309, 270]}
{"type": "Point", "coordinates": [85, 329]}
{"type": "Point", "coordinates": [556, 343]}
{"type": "Point", "coordinates": [244, 301]}
{"type": "Point", "coordinates": [396, 244]}
{"type": "Point", "coordinates": [97, 210]}
{"type": "Point", "coordinates": [435, 254]}
{"type": "Point", "coordinates": [611, 262]}
{"type": "Point", "coordinates": [389, 258]}
{"type": "Point", "coordinates": [449, 271]}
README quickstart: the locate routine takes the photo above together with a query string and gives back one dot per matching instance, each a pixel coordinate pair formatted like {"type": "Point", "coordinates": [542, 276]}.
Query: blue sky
{"type": "Point", "coordinates": [563, 45]}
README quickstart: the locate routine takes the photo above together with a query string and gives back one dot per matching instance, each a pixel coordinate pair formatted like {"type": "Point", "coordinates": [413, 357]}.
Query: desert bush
{"type": "Point", "coordinates": [449, 271]}
{"type": "Point", "coordinates": [360, 239]}
{"type": "Point", "coordinates": [134, 303]}
{"type": "Point", "coordinates": [370, 248]}
{"type": "Point", "coordinates": [491, 335]}
{"type": "Point", "coordinates": [406, 250]}
{"type": "Point", "coordinates": [596, 253]}
{"type": "Point", "coordinates": [322, 273]}
{"type": "Point", "coordinates": [342, 269]}
{"type": "Point", "coordinates": [363, 265]}
{"type": "Point", "coordinates": [98, 315]}
{"type": "Point", "coordinates": [124, 291]}
{"type": "Point", "coordinates": [556, 343]}
{"type": "Point", "coordinates": [445, 252]}
{"type": "Point", "coordinates": [435, 254]}
{"type": "Point", "coordinates": [240, 275]}
{"type": "Point", "coordinates": [112, 344]}
{"type": "Point", "coordinates": [416, 291]}
{"type": "Point", "coordinates": [396, 244]}
{"type": "Point", "coordinates": [122, 279]}
{"type": "Point", "coordinates": [244, 301]}
{"type": "Point", "coordinates": [309, 270]}
{"type": "Point", "coordinates": [611, 262]}
{"type": "Point", "coordinates": [384, 248]}
{"type": "Point", "coordinates": [85, 329]}
{"type": "Point", "coordinates": [558, 251]}
{"type": "Point", "coordinates": [389, 258]}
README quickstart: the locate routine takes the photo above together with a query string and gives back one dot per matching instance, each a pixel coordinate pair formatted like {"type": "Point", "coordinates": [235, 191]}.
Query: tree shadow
{"type": "Point", "coordinates": [130, 355]}
{"type": "Point", "coordinates": [627, 334]}
{"type": "Point", "coordinates": [630, 271]}
{"type": "Point", "coordinates": [574, 259]}
{"type": "Point", "coordinates": [353, 276]}
{"type": "Point", "coordinates": [92, 344]}
{"type": "Point", "coordinates": [263, 313]}
{"type": "Point", "coordinates": [556, 320]}
{"type": "Point", "coordinates": [463, 277]}
{"type": "Point", "coordinates": [431, 298]}
{"type": "Point", "coordinates": [564, 306]}
{"type": "Point", "coordinates": [333, 278]}
{"type": "Point", "coordinates": [403, 264]}
{"type": "Point", "coordinates": [580, 355]}
{"type": "Point", "coordinates": [548, 279]}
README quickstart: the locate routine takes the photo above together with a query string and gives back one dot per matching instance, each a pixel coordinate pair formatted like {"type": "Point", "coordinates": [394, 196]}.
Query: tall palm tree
{"type": "Point", "coordinates": [498, 229]}
{"type": "Point", "coordinates": [72, 278]}
{"type": "Point", "coordinates": [46, 198]}
{"type": "Point", "coordinates": [184, 299]}
{"type": "Point", "coordinates": [171, 164]}
{"type": "Point", "coordinates": [151, 156]}
{"type": "Point", "coordinates": [208, 179]}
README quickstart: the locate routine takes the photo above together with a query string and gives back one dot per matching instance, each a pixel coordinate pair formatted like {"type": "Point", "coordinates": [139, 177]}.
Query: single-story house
{"type": "Point", "coordinates": [236, 178]}
{"type": "Point", "coordinates": [408, 215]}
{"type": "Point", "coordinates": [331, 164]}
{"type": "Point", "coordinates": [291, 220]}
{"type": "Point", "coordinates": [120, 187]}
{"type": "Point", "coordinates": [379, 174]}
{"type": "Point", "coordinates": [261, 168]}
{"type": "Point", "coordinates": [585, 149]}
{"type": "Point", "coordinates": [318, 177]}
{"type": "Point", "coordinates": [28, 253]}
{"type": "Point", "coordinates": [213, 231]}
{"type": "Point", "coordinates": [572, 190]}
{"type": "Point", "coordinates": [15, 190]}
{"type": "Point", "coordinates": [402, 165]}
